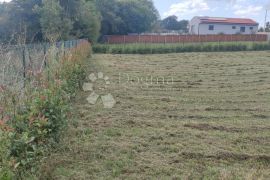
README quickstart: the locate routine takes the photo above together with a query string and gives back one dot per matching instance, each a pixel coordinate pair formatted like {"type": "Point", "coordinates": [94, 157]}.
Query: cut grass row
{"type": "Point", "coordinates": [179, 48]}
{"type": "Point", "coordinates": [211, 123]}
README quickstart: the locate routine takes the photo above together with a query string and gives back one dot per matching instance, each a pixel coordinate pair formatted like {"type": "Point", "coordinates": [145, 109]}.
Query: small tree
{"type": "Point", "coordinates": [171, 23]}
{"type": "Point", "coordinates": [87, 21]}
{"type": "Point", "coordinates": [53, 25]}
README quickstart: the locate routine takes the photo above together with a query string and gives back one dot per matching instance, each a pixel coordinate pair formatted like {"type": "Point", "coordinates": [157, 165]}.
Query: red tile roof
{"type": "Point", "coordinates": [228, 20]}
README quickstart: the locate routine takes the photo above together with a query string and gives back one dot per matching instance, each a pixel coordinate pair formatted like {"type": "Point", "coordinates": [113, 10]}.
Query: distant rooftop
{"type": "Point", "coordinates": [245, 21]}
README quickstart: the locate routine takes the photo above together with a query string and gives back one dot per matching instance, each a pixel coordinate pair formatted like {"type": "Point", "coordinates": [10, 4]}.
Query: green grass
{"type": "Point", "coordinates": [212, 123]}
{"type": "Point", "coordinates": [179, 48]}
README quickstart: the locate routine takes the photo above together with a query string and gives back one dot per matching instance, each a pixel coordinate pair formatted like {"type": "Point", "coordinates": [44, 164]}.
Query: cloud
{"type": "Point", "coordinates": [5, 0]}
{"type": "Point", "coordinates": [187, 7]}
{"type": "Point", "coordinates": [249, 10]}
{"type": "Point", "coordinates": [268, 6]}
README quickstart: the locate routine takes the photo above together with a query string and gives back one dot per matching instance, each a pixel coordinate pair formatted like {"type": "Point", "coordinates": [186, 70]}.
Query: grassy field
{"type": "Point", "coordinates": [208, 119]}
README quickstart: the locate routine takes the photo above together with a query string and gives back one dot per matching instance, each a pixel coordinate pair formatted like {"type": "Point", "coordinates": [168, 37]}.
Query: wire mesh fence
{"type": "Point", "coordinates": [17, 61]}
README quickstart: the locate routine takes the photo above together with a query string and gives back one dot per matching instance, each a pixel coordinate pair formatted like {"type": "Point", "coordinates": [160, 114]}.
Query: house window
{"type": "Point", "coordinates": [211, 27]}
{"type": "Point", "coordinates": [234, 27]}
{"type": "Point", "coordinates": [251, 28]}
{"type": "Point", "coordinates": [243, 29]}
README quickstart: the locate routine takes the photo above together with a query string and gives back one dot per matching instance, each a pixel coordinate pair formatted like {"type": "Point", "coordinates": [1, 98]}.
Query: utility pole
{"type": "Point", "coordinates": [265, 19]}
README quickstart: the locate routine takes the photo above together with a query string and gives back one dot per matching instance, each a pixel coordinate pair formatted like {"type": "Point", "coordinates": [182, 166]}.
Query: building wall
{"type": "Point", "coordinates": [194, 25]}
{"type": "Point", "coordinates": [226, 29]}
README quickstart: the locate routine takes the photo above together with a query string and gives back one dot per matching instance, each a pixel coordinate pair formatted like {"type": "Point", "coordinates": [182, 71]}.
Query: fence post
{"type": "Point", "coordinates": [44, 52]}
{"type": "Point", "coordinates": [24, 63]}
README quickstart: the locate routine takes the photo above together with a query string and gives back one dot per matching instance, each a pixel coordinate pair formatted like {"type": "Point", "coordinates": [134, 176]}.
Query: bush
{"type": "Point", "coordinates": [259, 47]}
{"type": "Point", "coordinates": [179, 49]}
{"type": "Point", "coordinates": [37, 127]}
{"type": "Point", "coordinates": [100, 49]}
{"type": "Point", "coordinates": [34, 123]}
{"type": "Point", "coordinates": [5, 172]}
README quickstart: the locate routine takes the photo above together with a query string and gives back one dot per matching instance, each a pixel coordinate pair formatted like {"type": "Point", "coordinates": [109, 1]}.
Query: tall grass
{"type": "Point", "coordinates": [179, 48]}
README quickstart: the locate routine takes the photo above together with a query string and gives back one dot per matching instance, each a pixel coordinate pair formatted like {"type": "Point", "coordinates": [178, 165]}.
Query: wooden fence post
{"type": "Point", "coordinates": [44, 52]}
{"type": "Point", "coordinates": [24, 63]}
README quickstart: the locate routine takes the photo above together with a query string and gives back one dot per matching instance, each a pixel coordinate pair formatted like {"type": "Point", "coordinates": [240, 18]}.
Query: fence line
{"type": "Point", "coordinates": [125, 39]}
{"type": "Point", "coordinates": [17, 60]}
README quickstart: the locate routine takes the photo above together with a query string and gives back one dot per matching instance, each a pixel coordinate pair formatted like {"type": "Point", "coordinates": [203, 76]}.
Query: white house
{"type": "Point", "coordinates": [213, 25]}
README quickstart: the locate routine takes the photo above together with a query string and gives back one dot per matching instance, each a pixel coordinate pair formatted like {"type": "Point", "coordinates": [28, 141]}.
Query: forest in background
{"type": "Point", "coordinates": [27, 21]}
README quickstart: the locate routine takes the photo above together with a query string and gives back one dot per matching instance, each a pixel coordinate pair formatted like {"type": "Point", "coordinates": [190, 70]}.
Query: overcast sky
{"type": "Point", "coordinates": [186, 9]}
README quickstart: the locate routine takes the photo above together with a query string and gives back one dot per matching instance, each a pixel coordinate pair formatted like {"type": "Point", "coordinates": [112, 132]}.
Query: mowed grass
{"type": "Point", "coordinates": [212, 122]}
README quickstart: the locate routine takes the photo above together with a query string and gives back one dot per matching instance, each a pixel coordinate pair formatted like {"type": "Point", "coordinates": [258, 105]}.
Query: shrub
{"type": "Point", "coordinates": [197, 48]}
{"type": "Point", "coordinates": [35, 122]}
{"type": "Point", "coordinates": [258, 47]}
{"type": "Point", "coordinates": [179, 49]}
{"type": "Point", "coordinates": [37, 128]}
{"type": "Point", "coordinates": [5, 172]}
{"type": "Point", "coordinates": [100, 49]}
{"type": "Point", "coordinates": [116, 50]}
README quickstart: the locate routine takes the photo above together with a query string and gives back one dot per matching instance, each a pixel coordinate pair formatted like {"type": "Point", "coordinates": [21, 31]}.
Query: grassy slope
{"type": "Point", "coordinates": [213, 122]}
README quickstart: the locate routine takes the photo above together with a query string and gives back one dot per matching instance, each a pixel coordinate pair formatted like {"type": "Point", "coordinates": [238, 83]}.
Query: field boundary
{"type": "Point", "coordinates": [18, 60]}
{"type": "Point", "coordinates": [124, 39]}
{"type": "Point", "coordinates": [179, 48]}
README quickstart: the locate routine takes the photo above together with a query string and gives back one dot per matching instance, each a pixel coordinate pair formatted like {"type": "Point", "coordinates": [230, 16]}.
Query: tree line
{"type": "Point", "coordinates": [24, 21]}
